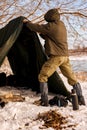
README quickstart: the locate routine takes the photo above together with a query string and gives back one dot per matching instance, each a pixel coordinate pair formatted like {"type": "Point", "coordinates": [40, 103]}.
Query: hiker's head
{"type": "Point", "coordinates": [52, 15]}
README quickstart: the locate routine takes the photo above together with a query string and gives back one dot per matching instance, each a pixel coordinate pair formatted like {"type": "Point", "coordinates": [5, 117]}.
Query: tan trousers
{"type": "Point", "coordinates": [52, 64]}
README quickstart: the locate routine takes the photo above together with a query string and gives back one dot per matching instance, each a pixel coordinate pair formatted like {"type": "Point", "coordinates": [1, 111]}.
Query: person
{"type": "Point", "coordinates": [56, 48]}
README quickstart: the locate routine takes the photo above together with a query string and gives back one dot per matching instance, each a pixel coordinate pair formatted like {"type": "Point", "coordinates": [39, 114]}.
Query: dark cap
{"type": "Point", "coordinates": [52, 15]}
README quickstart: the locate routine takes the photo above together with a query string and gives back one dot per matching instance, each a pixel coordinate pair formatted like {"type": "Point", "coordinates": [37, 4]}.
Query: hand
{"type": "Point", "coordinates": [25, 20]}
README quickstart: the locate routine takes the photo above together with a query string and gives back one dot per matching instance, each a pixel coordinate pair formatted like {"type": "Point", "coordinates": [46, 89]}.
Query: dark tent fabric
{"type": "Point", "coordinates": [26, 56]}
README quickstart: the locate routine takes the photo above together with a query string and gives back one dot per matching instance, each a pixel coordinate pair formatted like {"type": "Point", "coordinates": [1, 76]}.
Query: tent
{"type": "Point", "coordinates": [26, 57]}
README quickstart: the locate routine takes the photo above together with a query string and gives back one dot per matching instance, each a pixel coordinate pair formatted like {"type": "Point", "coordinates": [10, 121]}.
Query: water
{"type": "Point", "coordinates": [79, 65]}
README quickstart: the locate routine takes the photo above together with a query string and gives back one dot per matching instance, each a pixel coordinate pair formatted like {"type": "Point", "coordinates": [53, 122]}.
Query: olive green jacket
{"type": "Point", "coordinates": [55, 36]}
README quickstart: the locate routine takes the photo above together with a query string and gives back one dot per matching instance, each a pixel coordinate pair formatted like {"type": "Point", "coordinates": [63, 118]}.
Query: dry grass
{"type": "Point", "coordinates": [52, 119]}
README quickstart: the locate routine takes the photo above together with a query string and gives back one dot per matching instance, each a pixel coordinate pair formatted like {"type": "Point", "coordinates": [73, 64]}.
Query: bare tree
{"type": "Point", "coordinates": [73, 13]}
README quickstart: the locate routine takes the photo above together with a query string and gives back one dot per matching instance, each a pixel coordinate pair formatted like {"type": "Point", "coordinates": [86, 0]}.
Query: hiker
{"type": "Point", "coordinates": [56, 48]}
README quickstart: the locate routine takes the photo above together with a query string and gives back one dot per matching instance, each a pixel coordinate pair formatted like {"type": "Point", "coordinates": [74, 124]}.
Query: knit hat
{"type": "Point", "coordinates": [52, 15]}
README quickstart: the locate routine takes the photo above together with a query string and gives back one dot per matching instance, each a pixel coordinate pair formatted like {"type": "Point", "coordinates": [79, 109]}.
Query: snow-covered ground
{"type": "Point", "coordinates": [15, 115]}
{"type": "Point", "coordinates": [22, 115]}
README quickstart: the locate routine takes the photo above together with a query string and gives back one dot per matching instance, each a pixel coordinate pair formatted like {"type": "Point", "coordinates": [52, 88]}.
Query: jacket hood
{"type": "Point", "coordinates": [52, 15]}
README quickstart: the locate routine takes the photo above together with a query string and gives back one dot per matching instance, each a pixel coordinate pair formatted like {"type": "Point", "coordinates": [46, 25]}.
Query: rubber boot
{"type": "Point", "coordinates": [78, 89]}
{"type": "Point", "coordinates": [44, 93]}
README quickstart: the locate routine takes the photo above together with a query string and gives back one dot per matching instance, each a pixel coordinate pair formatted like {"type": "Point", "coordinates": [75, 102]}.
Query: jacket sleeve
{"type": "Point", "coordinates": [37, 28]}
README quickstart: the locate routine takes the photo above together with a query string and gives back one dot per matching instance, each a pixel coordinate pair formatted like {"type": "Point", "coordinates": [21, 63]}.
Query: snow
{"type": "Point", "coordinates": [15, 115]}
{"type": "Point", "coordinates": [22, 115]}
